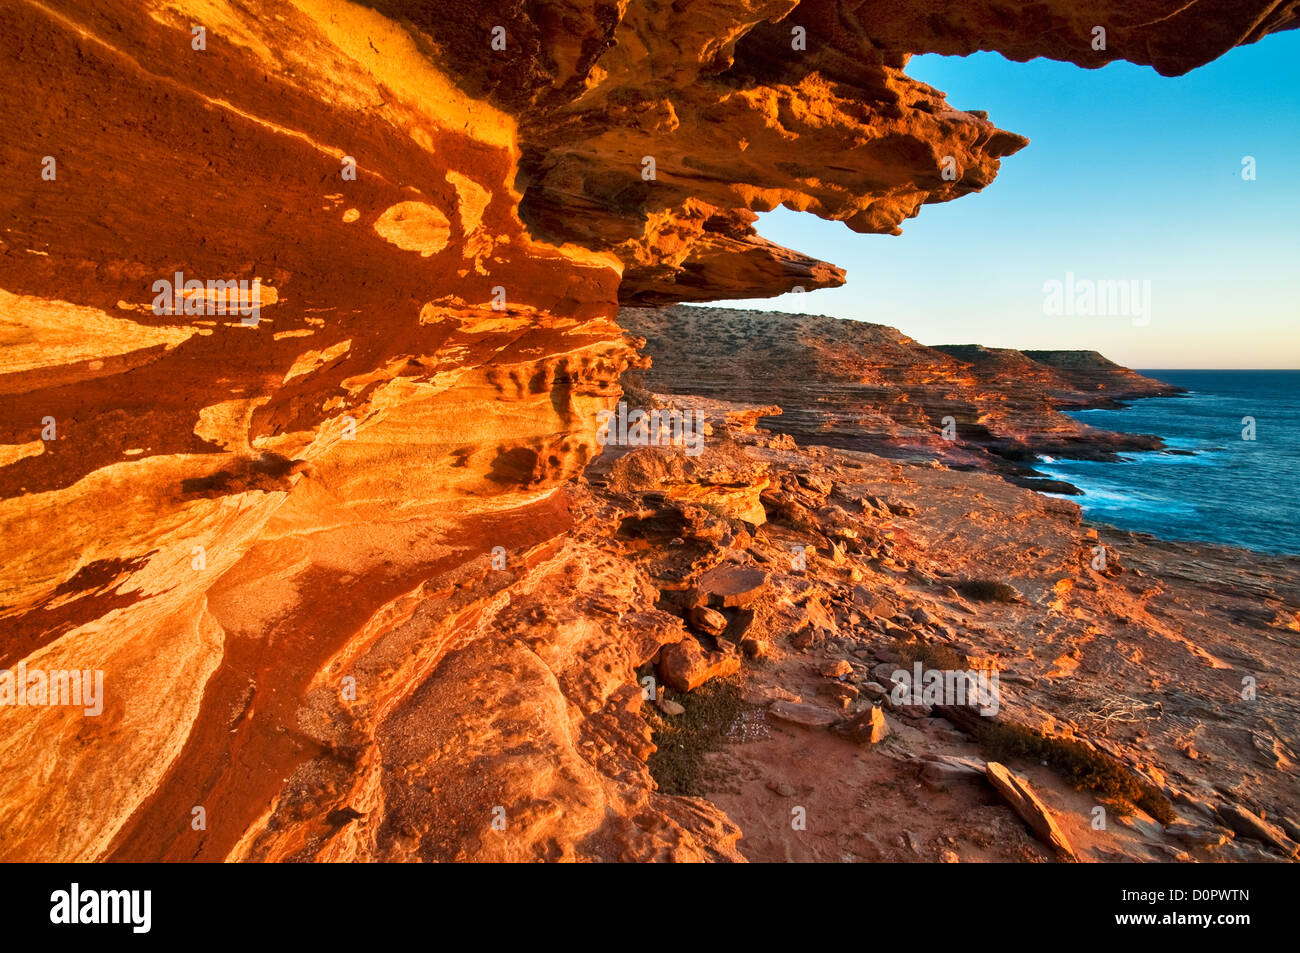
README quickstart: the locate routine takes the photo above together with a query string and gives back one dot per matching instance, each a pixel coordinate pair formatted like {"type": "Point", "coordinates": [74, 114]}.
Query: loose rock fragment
{"type": "Point", "coordinates": [1025, 802]}
{"type": "Point", "coordinates": [808, 716]}
{"type": "Point", "coordinates": [686, 665]}
{"type": "Point", "coordinates": [870, 727]}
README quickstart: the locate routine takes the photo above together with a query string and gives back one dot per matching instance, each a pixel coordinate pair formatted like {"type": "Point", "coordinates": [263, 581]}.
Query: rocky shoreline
{"type": "Point", "coordinates": [868, 387]}
{"type": "Point", "coordinates": [1121, 687]}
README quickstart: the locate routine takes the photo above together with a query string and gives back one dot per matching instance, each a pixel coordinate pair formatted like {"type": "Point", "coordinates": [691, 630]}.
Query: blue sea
{"type": "Point", "coordinates": [1234, 491]}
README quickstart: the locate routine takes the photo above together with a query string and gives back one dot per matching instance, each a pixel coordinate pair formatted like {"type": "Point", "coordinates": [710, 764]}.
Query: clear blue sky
{"type": "Point", "coordinates": [1128, 175]}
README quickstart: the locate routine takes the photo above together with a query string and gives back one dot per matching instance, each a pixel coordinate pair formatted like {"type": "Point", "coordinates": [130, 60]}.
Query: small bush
{"type": "Point", "coordinates": [989, 590]}
{"type": "Point", "coordinates": [932, 656]}
{"type": "Point", "coordinates": [1081, 766]}
{"type": "Point", "coordinates": [682, 741]}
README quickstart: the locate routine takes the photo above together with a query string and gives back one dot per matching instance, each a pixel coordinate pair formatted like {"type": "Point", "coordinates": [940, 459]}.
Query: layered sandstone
{"type": "Point", "coordinates": [331, 561]}
{"type": "Point", "coordinates": [866, 386]}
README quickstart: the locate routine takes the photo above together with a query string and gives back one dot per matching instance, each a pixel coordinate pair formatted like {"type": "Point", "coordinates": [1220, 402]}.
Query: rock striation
{"type": "Point", "coordinates": [868, 387]}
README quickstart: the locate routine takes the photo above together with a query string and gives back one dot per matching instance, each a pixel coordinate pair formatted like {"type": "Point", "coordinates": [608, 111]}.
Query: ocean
{"type": "Point", "coordinates": [1231, 490]}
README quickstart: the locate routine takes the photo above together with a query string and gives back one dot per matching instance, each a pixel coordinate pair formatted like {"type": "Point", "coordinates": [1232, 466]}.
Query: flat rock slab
{"type": "Point", "coordinates": [939, 772]}
{"type": "Point", "coordinates": [808, 716]}
{"type": "Point", "coordinates": [1017, 792]}
{"type": "Point", "coordinates": [972, 766]}
{"type": "Point", "coordinates": [730, 585]}
{"type": "Point", "coordinates": [766, 694]}
{"type": "Point", "coordinates": [1248, 824]}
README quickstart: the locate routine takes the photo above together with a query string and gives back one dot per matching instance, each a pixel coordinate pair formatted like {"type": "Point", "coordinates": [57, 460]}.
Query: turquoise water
{"type": "Point", "coordinates": [1231, 490]}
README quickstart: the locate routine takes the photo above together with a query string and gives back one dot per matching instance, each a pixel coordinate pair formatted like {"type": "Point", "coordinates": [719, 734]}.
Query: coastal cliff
{"type": "Point", "coordinates": [866, 386]}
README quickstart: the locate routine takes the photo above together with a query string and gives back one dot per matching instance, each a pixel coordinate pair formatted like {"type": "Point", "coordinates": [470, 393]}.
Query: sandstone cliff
{"type": "Point", "coordinates": [865, 386]}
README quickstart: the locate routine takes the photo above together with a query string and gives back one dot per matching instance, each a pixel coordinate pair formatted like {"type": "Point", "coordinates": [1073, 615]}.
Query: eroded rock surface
{"type": "Point", "coordinates": [866, 386]}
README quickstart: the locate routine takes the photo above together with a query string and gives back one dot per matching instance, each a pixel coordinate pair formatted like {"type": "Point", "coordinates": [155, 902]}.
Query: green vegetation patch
{"type": "Point", "coordinates": [988, 590]}
{"type": "Point", "coordinates": [712, 711]}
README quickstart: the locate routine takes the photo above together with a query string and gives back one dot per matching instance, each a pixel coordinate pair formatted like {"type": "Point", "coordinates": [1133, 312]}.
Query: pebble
{"type": "Point", "coordinates": [670, 707]}
{"type": "Point", "coordinates": [837, 669]}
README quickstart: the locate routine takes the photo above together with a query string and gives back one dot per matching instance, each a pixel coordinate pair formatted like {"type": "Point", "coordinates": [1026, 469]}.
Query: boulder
{"type": "Point", "coordinates": [875, 690]}
{"type": "Point", "coordinates": [649, 631]}
{"type": "Point", "coordinates": [921, 616]}
{"type": "Point", "coordinates": [869, 727]}
{"type": "Point", "coordinates": [870, 604]}
{"type": "Point", "coordinates": [839, 668]}
{"type": "Point", "coordinates": [707, 621]}
{"type": "Point", "coordinates": [686, 665]}
{"type": "Point", "coordinates": [884, 673]}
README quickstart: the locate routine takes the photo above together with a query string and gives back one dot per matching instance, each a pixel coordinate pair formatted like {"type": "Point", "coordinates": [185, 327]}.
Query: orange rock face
{"type": "Point", "coordinates": [869, 387]}
{"type": "Point", "coordinates": [307, 309]}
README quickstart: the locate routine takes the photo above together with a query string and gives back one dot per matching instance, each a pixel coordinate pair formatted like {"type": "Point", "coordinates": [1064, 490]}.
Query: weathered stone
{"type": "Point", "coordinates": [1249, 824]}
{"type": "Point", "coordinates": [730, 585]}
{"type": "Point", "coordinates": [806, 638]}
{"type": "Point", "coordinates": [706, 620]}
{"type": "Point", "coordinates": [884, 673]}
{"type": "Point", "coordinates": [1198, 836]}
{"type": "Point", "coordinates": [870, 604]}
{"type": "Point", "coordinates": [808, 716]}
{"type": "Point", "coordinates": [840, 668]}
{"type": "Point", "coordinates": [1291, 827]}
{"type": "Point", "coordinates": [1017, 792]}
{"type": "Point", "coordinates": [922, 617]}
{"type": "Point", "coordinates": [869, 727]}
{"type": "Point", "coordinates": [686, 665]}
